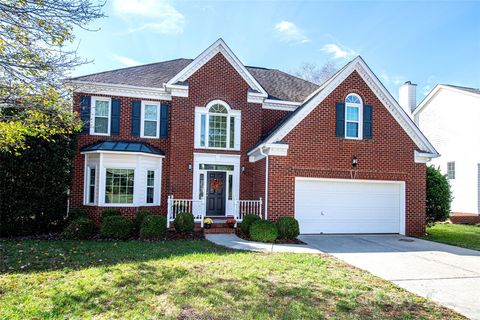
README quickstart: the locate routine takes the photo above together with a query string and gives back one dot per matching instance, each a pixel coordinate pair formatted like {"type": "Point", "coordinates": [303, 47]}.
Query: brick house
{"type": "Point", "coordinates": [217, 138]}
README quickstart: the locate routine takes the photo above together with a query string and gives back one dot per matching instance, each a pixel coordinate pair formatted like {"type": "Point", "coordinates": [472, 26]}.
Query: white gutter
{"type": "Point", "coordinates": [266, 182]}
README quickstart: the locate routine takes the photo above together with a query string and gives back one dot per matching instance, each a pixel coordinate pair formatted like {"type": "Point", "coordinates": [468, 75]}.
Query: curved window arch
{"type": "Point", "coordinates": [353, 116]}
{"type": "Point", "coordinates": [218, 124]}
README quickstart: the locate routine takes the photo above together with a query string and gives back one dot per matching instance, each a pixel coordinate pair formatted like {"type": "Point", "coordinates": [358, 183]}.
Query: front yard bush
{"type": "Point", "coordinates": [110, 212]}
{"type": "Point", "coordinates": [288, 228]}
{"type": "Point", "coordinates": [141, 215]}
{"type": "Point", "coordinates": [153, 227]}
{"type": "Point", "coordinates": [184, 221]}
{"type": "Point", "coordinates": [247, 221]}
{"type": "Point", "coordinates": [76, 213]}
{"type": "Point", "coordinates": [439, 195]}
{"type": "Point", "coordinates": [264, 231]}
{"type": "Point", "coordinates": [115, 227]}
{"type": "Point", "coordinates": [79, 229]}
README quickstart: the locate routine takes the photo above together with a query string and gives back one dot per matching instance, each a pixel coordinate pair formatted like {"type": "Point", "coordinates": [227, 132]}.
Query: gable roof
{"type": "Point", "coordinates": [359, 65]}
{"type": "Point", "coordinates": [438, 87]}
{"type": "Point", "coordinates": [277, 84]}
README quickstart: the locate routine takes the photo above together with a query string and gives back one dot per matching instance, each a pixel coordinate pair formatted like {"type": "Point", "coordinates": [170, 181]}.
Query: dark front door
{"type": "Point", "coordinates": [216, 193]}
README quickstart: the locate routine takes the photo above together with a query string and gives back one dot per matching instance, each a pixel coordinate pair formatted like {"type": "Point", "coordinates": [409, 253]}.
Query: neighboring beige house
{"type": "Point", "coordinates": [450, 118]}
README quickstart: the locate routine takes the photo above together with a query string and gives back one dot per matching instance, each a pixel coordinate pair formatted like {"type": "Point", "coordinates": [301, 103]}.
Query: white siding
{"type": "Point", "coordinates": [451, 121]}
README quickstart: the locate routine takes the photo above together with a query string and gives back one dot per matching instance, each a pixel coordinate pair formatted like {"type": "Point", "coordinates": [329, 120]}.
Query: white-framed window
{"type": "Point", "coordinates": [217, 126]}
{"type": "Point", "coordinates": [150, 115]}
{"type": "Point", "coordinates": [451, 170]}
{"type": "Point", "coordinates": [353, 117]}
{"type": "Point", "coordinates": [92, 179]}
{"type": "Point", "coordinates": [100, 116]}
{"type": "Point", "coordinates": [150, 187]}
{"type": "Point", "coordinates": [119, 185]}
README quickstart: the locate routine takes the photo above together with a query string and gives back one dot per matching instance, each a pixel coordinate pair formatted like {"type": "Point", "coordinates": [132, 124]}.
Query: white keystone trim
{"type": "Point", "coordinates": [210, 52]}
{"type": "Point", "coordinates": [375, 85]}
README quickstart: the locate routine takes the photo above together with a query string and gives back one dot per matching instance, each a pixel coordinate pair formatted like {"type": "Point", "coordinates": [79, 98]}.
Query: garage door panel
{"type": "Point", "coordinates": [346, 206]}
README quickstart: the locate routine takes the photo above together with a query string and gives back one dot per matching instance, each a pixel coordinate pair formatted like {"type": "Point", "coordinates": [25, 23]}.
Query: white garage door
{"type": "Point", "coordinates": [349, 206]}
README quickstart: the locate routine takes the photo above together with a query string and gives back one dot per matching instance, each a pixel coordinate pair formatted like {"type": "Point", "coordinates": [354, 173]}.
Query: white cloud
{"type": "Point", "coordinates": [157, 15]}
{"type": "Point", "coordinates": [338, 51]}
{"type": "Point", "coordinates": [395, 79]}
{"type": "Point", "coordinates": [429, 86]}
{"type": "Point", "coordinates": [126, 61]}
{"type": "Point", "coordinates": [289, 32]}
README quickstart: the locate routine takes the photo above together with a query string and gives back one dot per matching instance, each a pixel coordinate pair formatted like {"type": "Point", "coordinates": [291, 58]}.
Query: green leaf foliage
{"type": "Point", "coordinates": [288, 228]}
{"type": "Point", "coordinates": [153, 227]}
{"type": "Point", "coordinates": [439, 195]}
{"type": "Point", "coordinates": [110, 212]}
{"type": "Point", "coordinates": [116, 227]}
{"type": "Point", "coordinates": [79, 229]}
{"type": "Point", "coordinates": [184, 222]}
{"type": "Point", "coordinates": [263, 231]}
{"type": "Point", "coordinates": [247, 221]}
{"type": "Point", "coordinates": [141, 215]}
{"type": "Point", "coordinates": [76, 213]}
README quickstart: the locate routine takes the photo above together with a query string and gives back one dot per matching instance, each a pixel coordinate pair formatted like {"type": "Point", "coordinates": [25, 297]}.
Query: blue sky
{"type": "Point", "coordinates": [427, 42]}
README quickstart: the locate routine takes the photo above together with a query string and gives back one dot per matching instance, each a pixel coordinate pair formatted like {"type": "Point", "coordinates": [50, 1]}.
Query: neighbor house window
{"type": "Point", "coordinates": [217, 127]}
{"type": "Point", "coordinates": [150, 186]}
{"type": "Point", "coordinates": [119, 185]}
{"type": "Point", "coordinates": [451, 170]}
{"type": "Point", "coordinates": [101, 116]}
{"type": "Point", "coordinates": [150, 119]}
{"type": "Point", "coordinates": [353, 116]}
{"type": "Point", "coordinates": [91, 185]}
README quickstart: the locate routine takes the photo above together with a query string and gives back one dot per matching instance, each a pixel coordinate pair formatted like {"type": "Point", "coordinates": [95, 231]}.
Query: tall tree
{"type": "Point", "coordinates": [34, 37]}
{"type": "Point", "coordinates": [314, 73]}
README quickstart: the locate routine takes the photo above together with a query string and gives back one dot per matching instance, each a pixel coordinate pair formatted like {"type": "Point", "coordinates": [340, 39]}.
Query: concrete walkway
{"type": "Point", "coordinates": [446, 274]}
{"type": "Point", "coordinates": [234, 242]}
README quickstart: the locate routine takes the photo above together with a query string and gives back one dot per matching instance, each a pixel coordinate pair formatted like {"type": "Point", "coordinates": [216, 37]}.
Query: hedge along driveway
{"type": "Point", "coordinates": [191, 279]}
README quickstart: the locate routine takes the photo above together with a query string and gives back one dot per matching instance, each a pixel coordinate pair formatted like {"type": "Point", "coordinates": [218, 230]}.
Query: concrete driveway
{"type": "Point", "coordinates": [445, 274]}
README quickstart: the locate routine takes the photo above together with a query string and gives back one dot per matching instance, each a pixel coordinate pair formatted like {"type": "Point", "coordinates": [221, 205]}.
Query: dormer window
{"type": "Point", "coordinates": [217, 126]}
{"type": "Point", "coordinates": [353, 117]}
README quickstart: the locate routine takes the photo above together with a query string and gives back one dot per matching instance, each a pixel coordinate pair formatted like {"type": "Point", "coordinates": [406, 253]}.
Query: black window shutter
{"type": "Point", "coordinates": [367, 121]}
{"type": "Point", "coordinates": [164, 120]}
{"type": "Point", "coordinates": [136, 110]}
{"type": "Point", "coordinates": [340, 119]}
{"type": "Point", "coordinates": [85, 102]}
{"type": "Point", "coordinates": [115, 118]}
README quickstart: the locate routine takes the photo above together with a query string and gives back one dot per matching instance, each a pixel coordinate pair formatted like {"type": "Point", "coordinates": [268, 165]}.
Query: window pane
{"type": "Point", "coordinates": [352, 114]}
{"type": "Point", "coordinates": [218, 167]}
{"type": "Point", "coordinates": [149, 195]}
{"type": "Point", "coordinates": [217, 133]}
{"type": "Point", "coordinates": [101, 108]}
{"type": "Point", "coordinates": [101, 125]}
{"type": "Point", "coordinates": [230, 187]}
{"type": "Point", "coordinates": [352, 99]}
{"type": "Point", "coordinates": [91, 190]}
{"type": "Point", "coordinates": [202, 130]}
{"type": "Point", "coordinates": [151, 112]}
{"type": "Point", "coordinates": [352, 129]}
{"type": "Point", "coordinates": [218, 108]}
{"type": "Point", "coordinates": [150, 178]}
{"type": "Point", "coordinates": [232, 132]}
{"type": "Point", "coordinates": [119, 186]}
{"type": "Point", "coordinates": [150, 128]}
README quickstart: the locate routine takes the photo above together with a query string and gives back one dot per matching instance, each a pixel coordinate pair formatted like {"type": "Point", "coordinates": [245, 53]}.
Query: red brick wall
{"type": "Point", "coordinates": [270, 118]}
{"type": "Point", "coordinates": [315, 151]}
{"type": "Point", "coordinates": [76, 192]}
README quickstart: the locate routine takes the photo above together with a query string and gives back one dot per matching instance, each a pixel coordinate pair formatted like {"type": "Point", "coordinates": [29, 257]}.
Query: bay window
{"type": "Point", "coordinates": [119, 185]}
{"type": "Point", "coordinates": [150, 186]}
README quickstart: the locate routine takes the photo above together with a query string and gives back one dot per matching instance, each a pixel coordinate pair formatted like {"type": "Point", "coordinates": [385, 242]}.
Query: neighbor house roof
{"type": "Point", "coordinates": [122, 146]}
{"type": "Point", "coordinates": [438, 87]}
{"type": "Point", "coordinates": [278, 84]}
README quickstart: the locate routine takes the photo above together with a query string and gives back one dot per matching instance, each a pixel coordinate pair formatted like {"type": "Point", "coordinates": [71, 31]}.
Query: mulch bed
{"type": "Point", "coordinates": [192, 235]}
{"type": "Point", "coordinates": [244, 236]}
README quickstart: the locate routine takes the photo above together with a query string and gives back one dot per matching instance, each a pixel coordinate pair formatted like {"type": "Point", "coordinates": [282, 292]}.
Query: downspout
{"type": "Point", "coordinates": [266, 182]}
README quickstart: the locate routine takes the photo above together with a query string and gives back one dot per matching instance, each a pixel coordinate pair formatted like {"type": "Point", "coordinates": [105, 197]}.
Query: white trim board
{"type": "Point", "coordinates": [218, 46]}
{"type": "Point", "coordinates": [375, 85]}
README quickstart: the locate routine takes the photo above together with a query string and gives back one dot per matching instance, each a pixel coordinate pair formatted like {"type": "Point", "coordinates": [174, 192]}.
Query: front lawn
{"type": "Point", "coordinates": [191, 280]}
{"type": "Point", "coordinates": [461, 235]}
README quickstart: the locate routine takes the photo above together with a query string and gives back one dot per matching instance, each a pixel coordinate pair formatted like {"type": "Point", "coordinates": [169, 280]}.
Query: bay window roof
{"type": "Point", "coordinates": [122, 146]}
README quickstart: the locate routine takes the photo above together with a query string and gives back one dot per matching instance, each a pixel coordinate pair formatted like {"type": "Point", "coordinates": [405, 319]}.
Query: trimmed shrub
{"type": "Point", "coordinates": [153, 227]}
{"type": "Point", "coordinates": [115, 227]}
{"type": "Point", "coordinates": [77, 213]}
{"type": "Point", "coordinates": [439, 196]}
{"type": "Point", "coordinates": [79, 229]}
{"type": "Point", "coordinates": [110, 212]}
{"type": "Point", "coordinates": [264, 231]}
{"type": "Point", "coordinates": [141, 215]}
{"type": "Point", "coordinates": [288, 228]}
{"type": "Point", "coordinates": [247, 221]}
{"type": "Point", "coordinates": [184, 221]}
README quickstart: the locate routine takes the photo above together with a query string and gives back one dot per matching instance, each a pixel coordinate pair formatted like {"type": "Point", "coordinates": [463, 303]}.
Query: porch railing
{"type": "Point", "coordinates": [176, 206]}
{"type": "Point", "coordinates": [243, 207]}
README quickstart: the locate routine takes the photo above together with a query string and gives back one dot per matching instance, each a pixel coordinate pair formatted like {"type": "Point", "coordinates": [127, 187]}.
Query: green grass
{"type": "Point", "coordinates": [461, 235]}
{"type": "Point", "coordinates": [191, 280]}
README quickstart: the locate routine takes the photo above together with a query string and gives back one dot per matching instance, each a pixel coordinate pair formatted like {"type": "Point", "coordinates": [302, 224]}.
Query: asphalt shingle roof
{"type": "Point", "coordinates": [472, 90]}
{"type": "Point", "coordinates": [278, 84]}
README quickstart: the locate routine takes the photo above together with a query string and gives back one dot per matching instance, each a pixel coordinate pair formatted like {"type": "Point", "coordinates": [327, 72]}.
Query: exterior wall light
{"type": "Point", "coordinates": [243, 169]}
{"type": "Point", "coordinates": [354, 162]}
{"type": "Point", "coordinates": [190, 168]}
